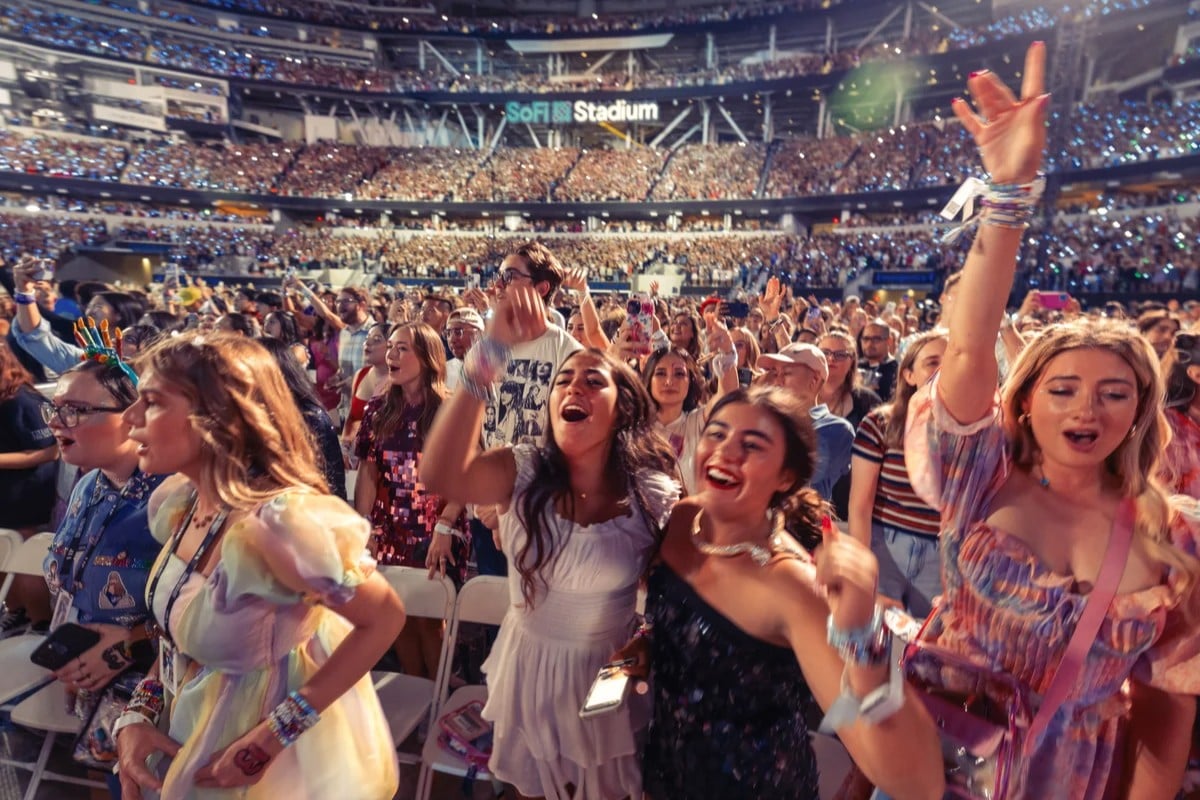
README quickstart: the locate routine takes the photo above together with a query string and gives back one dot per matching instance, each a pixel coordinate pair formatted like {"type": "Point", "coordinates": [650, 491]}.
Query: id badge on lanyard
{"type": "Point", "coordinates": [64, 610]}
{"type": "Point", "coordinates": [167, 661]}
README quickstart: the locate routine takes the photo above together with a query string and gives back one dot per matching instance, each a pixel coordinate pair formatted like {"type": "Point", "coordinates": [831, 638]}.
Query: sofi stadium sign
{"type": "Point", "coordinates": [560, 112]}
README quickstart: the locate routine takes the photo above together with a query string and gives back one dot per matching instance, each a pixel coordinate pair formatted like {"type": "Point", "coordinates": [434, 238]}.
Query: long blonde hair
{"type": "Point", "coordinates": [1135, 461]}
{"type": "Point", "coordinates": [254, 442]}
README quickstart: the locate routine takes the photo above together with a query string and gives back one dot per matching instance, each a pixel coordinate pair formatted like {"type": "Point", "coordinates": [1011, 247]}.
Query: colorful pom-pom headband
{"type": "Point", "coordinates": [99, 346]}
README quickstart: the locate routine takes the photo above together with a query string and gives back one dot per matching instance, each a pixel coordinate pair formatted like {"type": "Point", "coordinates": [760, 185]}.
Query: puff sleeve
{"type": "Point", "coordinates": [953, 467]}
{"type": "Point", "coordinates": [298, 546]}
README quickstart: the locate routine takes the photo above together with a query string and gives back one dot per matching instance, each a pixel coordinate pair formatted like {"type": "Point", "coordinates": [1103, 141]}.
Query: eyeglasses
{"type": "Point", "coordinates": [452, 332]}
{"type": "Point", "coordinates": [507, 276]}
{"type": "Point", "coordinates": [68, 415]}
{"type": "Point", "coordinates": [838, 355]}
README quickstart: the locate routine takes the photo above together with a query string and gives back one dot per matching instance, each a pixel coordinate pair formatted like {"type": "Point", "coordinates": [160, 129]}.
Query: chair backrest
{"type": "Point", "coordinates": [29, 556]}
{"type": "Point", "coordinates": [423, 596]}
{"type": "Point", "coordinates": [10, 541]}
{"type": "Point", "coordinates": [483, 599]}
{"type": "Point", "coordinates": [25, 558]}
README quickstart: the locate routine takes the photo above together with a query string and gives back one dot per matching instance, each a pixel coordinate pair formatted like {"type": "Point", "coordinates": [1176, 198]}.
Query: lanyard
{"type": "Point", "coordinates": [69, 569]}
{"type": "Point", "coordinates": [213, 529]}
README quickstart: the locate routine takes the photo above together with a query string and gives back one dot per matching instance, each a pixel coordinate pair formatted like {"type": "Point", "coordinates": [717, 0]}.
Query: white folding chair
{"type": "Point", "coordinates": [482, 600]}
{"type": "Point", "coordinates": [46, 711]}
{"type": "Point", "coordinates": [407, 699]}
{"type": "Point", "coordinates": [18, 674]}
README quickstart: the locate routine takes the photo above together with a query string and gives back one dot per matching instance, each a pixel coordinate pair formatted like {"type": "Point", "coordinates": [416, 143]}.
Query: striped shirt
{"type": "Point", "coordinates": [896, 504]}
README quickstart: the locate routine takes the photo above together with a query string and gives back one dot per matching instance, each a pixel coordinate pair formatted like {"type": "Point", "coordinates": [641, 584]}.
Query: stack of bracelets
{"type": "Point", "coordinates": [291, 718]}
{"type": "Point", "coordinates": [145, 705]}
{"type": "Point", "coordinates": [287, 720]}
{"type": "Point", "coordinates": [1004, 205]}
{"type": "Point", "coordinates": [484, 366]}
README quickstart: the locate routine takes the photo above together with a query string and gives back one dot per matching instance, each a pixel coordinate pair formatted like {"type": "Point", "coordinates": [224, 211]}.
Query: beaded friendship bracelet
{"type": "Point", "coordinates": [865, 646]}
{"type": "Point", "coordinates": [1004, 205]}
{"type": "Point", "coordinates": [483, 367]}
{"type": "Point", "coordinates": [291, 718]}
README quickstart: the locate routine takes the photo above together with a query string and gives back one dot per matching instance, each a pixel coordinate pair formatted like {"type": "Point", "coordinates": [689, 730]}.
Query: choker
{"type": "Point", "coordinates": [761, 555]}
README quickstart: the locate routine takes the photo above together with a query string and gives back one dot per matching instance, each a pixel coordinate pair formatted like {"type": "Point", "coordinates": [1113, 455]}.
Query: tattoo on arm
{"type": "Point", "coordinates": [115, 657]}
{"type": "Point", "coordinates": [251, 759]}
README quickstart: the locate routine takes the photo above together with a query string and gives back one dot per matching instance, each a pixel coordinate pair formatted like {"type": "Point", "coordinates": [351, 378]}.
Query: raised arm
{"type": "Point", "coordinates": [1011, 135]}
{"type": "Point", "coordinates": [899, 753]}
{"type": "Point", "coordinates": [576, 280]}
{"type": "Point", "coordinates": [452, 465]}
{"type": "Point", "coordinates": [317, 303]}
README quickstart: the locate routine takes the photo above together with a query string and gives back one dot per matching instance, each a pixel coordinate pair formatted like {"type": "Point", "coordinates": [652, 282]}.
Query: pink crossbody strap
{"type": "Point", "coordinates": [1094, 611]}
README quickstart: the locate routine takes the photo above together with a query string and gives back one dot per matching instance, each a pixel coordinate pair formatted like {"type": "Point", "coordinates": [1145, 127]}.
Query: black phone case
{"type": "Point", "coordinates": [68, 641]}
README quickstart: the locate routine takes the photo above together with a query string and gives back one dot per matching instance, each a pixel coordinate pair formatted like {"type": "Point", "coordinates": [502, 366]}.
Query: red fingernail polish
{"type": "Point", "coordinates": [973, 74]}
{"type": "Point", "coordinates": [1039, 43]}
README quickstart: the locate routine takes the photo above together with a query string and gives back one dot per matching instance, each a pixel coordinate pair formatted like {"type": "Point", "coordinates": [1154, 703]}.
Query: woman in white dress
{"type": "Point", "coordinates": [677, 388]}
{"type": "Point", "coordinates": [580, 519]}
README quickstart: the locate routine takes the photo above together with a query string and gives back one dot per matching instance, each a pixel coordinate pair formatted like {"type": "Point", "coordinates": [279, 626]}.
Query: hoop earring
{"type": "Point", "coordinates": [1023, 420]}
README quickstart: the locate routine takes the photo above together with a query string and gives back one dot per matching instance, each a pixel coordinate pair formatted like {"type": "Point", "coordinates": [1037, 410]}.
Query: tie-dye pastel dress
{"type": "Point", "coordinates": [245, 641]}
{"type": "Point", "coordinates": [1007, 609]}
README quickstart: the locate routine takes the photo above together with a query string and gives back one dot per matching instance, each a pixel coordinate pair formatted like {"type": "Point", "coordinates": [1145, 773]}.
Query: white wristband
{"type": "Point", "coordinates": [446, 530]}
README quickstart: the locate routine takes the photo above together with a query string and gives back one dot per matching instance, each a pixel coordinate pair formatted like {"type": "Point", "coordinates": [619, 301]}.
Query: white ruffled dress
{"type": "Point", "coordinates": [545, 658]}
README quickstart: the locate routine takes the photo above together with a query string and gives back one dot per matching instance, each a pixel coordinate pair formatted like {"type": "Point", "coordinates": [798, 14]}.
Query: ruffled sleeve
{"type": "Point", "coordinates": [953, 467]}
{"type": "Point", "coordinates": [1172, 664]}
{"type": "Point", "coordinates": [167, 505]}
{"type": "Point", "coordinates": [298, 537]}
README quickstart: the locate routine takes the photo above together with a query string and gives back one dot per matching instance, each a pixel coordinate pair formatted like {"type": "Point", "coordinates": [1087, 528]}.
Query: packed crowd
{"type": "Point", "coordinates": [61, 29]}
{"type": "Point", "coordinates": [712, 172]}
{"type": "Point", "coordinates": [1109, 249]}
{"type": "Point", "coordinates": [617, 174]}
{"type": "Point", "coordinates": [522, 174]}
{"type": "Point", "coordinates": [224, 167]}
{"type": "Point", "coordinates": [915, 155]}
{"type": "Point", "coordinates": [64, 30]}
{"type": "Point", "coordinates": [899, 524]}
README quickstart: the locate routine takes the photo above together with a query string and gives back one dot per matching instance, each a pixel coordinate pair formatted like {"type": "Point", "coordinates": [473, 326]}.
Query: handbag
{"type": "Point", "coordinates": [468, 735]}
{"type": "Point", "coordinates": [95, 747]}
{"type": "Point", "coordinates": [983, 715]}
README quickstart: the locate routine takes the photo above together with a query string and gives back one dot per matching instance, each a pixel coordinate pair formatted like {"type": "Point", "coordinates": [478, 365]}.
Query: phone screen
{"type": "Point", "coordinates": [640, 312]}
{"type": "Point", "coordinates": [1053, 301]}
{"type": "Point", "coordinates": [607, 691]}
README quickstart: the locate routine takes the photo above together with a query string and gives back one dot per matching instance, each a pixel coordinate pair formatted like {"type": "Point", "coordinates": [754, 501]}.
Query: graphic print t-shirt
{"type": "Point", "coordinates": [519, 413]}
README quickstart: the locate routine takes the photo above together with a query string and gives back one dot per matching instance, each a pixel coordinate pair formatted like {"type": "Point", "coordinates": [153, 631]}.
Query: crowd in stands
{"type": "Point", "coordinates": [46, 236]}
{"type": "Point", "coordinates": [915, 155]}
{"type": "Point", "coordinates": [620, 174]}
{"type": "Point", "coordinates": [61, 157]}
{"type": "Point", "coordinates": [61, 29]}
{"type": "Point", "coordinates": [522, 174]}
{"type": "Point", "coordinates": [422, 174]}
{"type": "Point", "coordinates": [1128, 249]}
{"type": "Point", "coordinates": [711, 172]}
{"type": "Point", "coordinates": [221, 168]}
{"type": "Point", "coordinates": [331, 170]}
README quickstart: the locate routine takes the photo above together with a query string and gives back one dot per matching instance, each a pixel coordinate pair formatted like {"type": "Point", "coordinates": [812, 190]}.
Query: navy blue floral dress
{"type": "Point", "coordinates": [729, 709]}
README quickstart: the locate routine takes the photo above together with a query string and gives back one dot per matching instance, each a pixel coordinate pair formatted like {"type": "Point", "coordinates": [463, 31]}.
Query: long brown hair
{"type": "Point", "coordinates": [254, 443]}
{"type": "Point", "coordinates": [428, 346]}
{"type": "Point", "coordinates": [12, 375]}
{"type": "Point", "coordinates": [896, 412]}
{"type": "Point", "coordinates": [634, 449]}
{"type": "Point", "coordinates": [1134, 464]}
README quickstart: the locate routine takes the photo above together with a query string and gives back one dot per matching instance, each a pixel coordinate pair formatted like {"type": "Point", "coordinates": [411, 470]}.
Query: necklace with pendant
{"type": "Point", "coordinates": [761, 555]}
